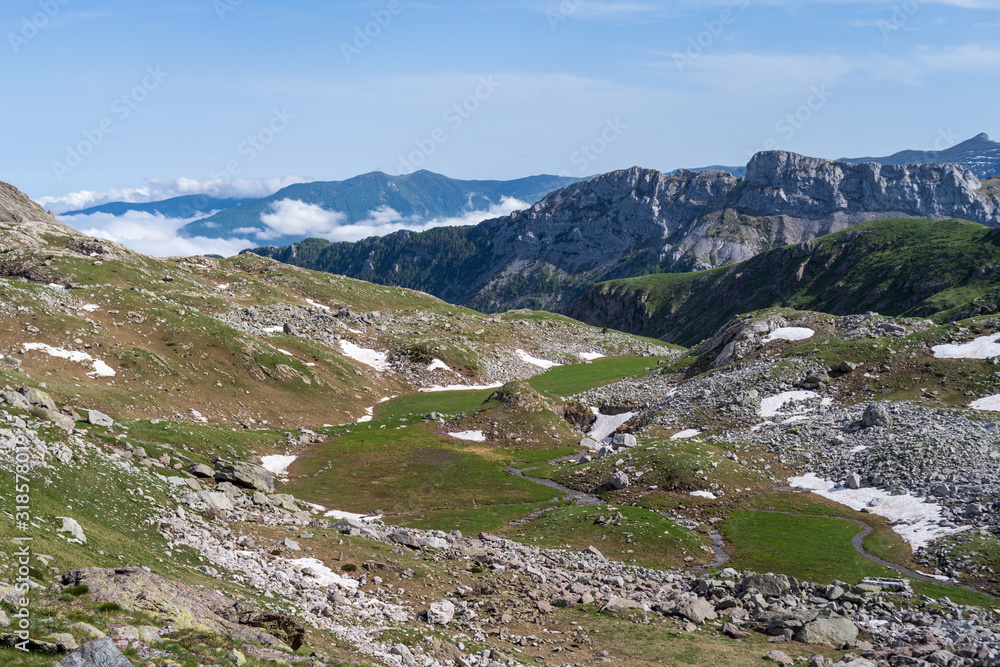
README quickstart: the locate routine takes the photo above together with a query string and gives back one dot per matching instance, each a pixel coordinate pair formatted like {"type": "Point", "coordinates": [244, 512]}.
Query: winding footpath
{"type": "Point", "coordinates": [718, 543]}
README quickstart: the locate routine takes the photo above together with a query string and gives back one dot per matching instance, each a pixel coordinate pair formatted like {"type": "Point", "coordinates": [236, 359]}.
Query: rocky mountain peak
{"type": "Point", "coordinates": [17, 208]}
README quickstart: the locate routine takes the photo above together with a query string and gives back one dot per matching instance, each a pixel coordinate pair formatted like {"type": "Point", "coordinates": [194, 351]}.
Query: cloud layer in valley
{"type": "Point", "coordinates": [159, 236]}
{"type": "Point", "coordinates": [154, 235]}
{"type": "Point", "coordinates": [289, 217]}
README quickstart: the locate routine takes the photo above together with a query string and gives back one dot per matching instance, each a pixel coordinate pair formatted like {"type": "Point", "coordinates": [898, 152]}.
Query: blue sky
{"type": "Point", "coordinates": [182, 86]}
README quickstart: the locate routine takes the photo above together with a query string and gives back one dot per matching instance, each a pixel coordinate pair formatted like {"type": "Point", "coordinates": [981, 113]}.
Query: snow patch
{"type": "Point", "coordinates": [789, 333]}
{"type": "Point", "coordinates": [686, 434]}
{"type": "Point", "coordinates": [703, 494]}
{"type": "Point", "coordinates": [101, 369]}
{"type": "Point", "coordinates": [274, 330]}
{"type": "Point", "coordinates": [983, 347]}
{"type": "Point", "coordinates": [277, 465]}
{"type": "Point", "coordinates": [605, 425]}
{"type": "Point", "coordinates": [590, 356]}
{"type": "Point", "coordinates": [471, 436]}
{"type": "Point", "coordinates": [317, 305]}
{"type": "Point", "coordinates": [460, 387]}
{"type": "Point", "coordinates": [377, 360]}
{"type": "Point", "coordinates": [535, 361]}
{"type": "Point", "coordinates": [361, 518]}
{"type": "Point", "coordinates": [914, 519]}
{"type": "Point", "coordinates": [369, 415]}
{"type": "Point", "coordinates": [90, 307]}
{"type": "Point", "coordinates": [991, 403]}
{"type": "Point", "coordinates": [436, 365]}
{"type": "Point", "coordinates": [284, 352]}
{"type": "Point", "coordinates": [324, 575]}
{"type": "Point", "coordinates": [770, 406]}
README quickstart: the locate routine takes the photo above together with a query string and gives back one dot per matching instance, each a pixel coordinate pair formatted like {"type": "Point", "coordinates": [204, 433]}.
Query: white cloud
{"type": "Point", "coordinates": [770, 74]}
{"type": "Point", "coordinates": [290, 217]}
{"type": "Point", "coordinates": [153, 235]}
{"type": "Point", "coordinates": [166, 188]}
{"type": "Point", "coordinates": [295, 218]}
{"type": "Point", "coordinates": [159, 236]}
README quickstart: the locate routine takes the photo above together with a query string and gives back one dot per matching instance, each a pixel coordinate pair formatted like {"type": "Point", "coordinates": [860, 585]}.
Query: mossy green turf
{"type": "Point", "coordinates": [411, 469]}
{"type": "Point", "coordinates": [644, 538]}
{"type": "Point", "coordinates": [473, 520]}
{"type": "Point", "coordinates": [557, 382]}
{"type": "Point", "coordinates": [576, 378]}
{"type": "Point", "coordinates": [812, 548]}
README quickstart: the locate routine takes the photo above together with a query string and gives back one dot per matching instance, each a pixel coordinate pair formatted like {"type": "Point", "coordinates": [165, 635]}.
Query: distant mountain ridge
{"type": "Point", "coordinates": [423, 194]}
{"type": "Point", "coordinates": [187, 206]}
{"type": "Point", "coordinates": [980, 155]}
{"type": "Point", "coordinates": [637, 221]}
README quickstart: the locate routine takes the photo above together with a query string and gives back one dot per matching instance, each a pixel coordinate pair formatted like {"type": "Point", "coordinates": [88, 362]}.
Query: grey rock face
{"type": "Point", "coordinates": [243, 474]}
{"type": "Point", "coordinates": [98, 653]}
{"type": "Point", "coordinates": [619, 480]}
{"type": "Point", "coordinates": [690, 221]}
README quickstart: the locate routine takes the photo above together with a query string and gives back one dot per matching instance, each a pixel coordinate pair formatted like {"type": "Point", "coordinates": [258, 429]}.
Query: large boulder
{"type": "Point", "coordinates": [695, 610]}
{"type": "Point", "coordinates": [623, 440]}
{"type": "Point", "coordinates": [619, 480]}
{"type": "Point", "coordinates": [738, 338]}
{"type": "Point", "coordinates": [828, 628]}
{"type": "Point", "coordinates": [37, 397]}
{"type": "Point", "coordinates": [243, 474]}
{"type": "Point", "coordinates": [768, 585]}
{"type": "Point", "coordinates": [97, 418]}
{"type": "Point", "coordinates": [15, 399]}
{"type": "Point", "coordinates": [98, 653]}
{"type": "Point", "coordinates": [875, 414]}
{"type": "Point", "coordinates": [441, 613]}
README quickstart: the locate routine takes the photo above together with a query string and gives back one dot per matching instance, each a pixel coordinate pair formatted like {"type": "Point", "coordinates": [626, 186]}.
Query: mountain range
{"type": "Point", "coordinates": [188, 206]}
{"type": "Point", "coordinates": [637, 221]}
{"type": "Point", "coordinates": [420, 196]}
{"type": "Point", "coordinates": [980, 154]}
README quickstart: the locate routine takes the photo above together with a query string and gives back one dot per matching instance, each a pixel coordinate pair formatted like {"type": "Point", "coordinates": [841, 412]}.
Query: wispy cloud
{"type": "Point", "coordinates": [759, 74]}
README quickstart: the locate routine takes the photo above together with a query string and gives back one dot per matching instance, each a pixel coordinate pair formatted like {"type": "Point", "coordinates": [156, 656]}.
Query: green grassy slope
{"type": "Point", "coordinates": [895, 267]}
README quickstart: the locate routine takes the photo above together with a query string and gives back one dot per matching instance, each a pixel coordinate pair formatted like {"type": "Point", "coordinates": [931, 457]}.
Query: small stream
{"type": "Point", "coordinates": [578, 497]}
